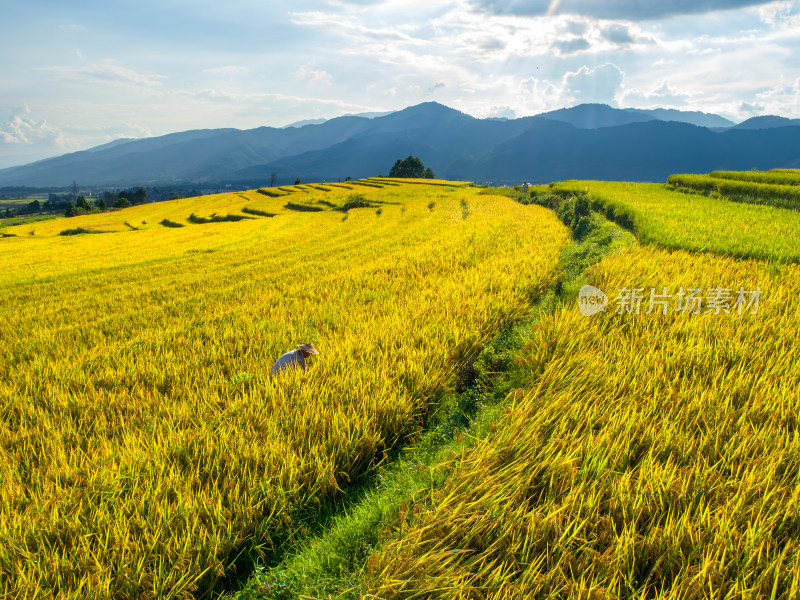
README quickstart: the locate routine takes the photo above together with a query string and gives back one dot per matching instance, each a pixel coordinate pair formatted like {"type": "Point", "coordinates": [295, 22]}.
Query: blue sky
{"type": "Point", "coordinates": [75, 75]}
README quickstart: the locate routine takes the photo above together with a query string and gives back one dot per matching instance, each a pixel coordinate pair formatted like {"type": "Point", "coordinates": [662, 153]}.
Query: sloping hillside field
{"type": "Point", "coordinates": [144, 445]}
{"type": "Point", "coordinates": [668, 218]}
{"type": "Point", "coordinates": [654, 456]}
{"type": "Point", "coordinates": [778, 187]}
{"type": "Point", "coordinates": [655, 452]}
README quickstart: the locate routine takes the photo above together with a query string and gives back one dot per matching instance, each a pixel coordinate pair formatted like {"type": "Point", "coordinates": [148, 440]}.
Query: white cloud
{"type": "Point", "coordinates": [24, 139]}
{"type": "Point", "coordinates": [662, 96]}
{"type": "Point", "coordinates": [783, 15]}
{"type": "Point", "coordinates": [600, 84]}
{"type": "Point", "coordinates": [260, 99]}
{"type": "Point", "coordinates": [349, 26]}
{"type": "Point", "coordinates": [533, 95]}
{"type": "Point", "coordinates": [20, 129]}
{"type": "Point", "coordinates": [106, 72]}
{"type": "Point", "coordinates": [615, 9]}
{"type": "Point", "coordinates": [124, 130]}
{"type": "Point", "coordinates": [312, 75]}
{"type": "Point", "coordinates": [500, 112]}
{"type": "Point", "coordinates": [110, 72]}
{"type": "Point", "coordinates": [782, 99]}
{"type": "Point", "coordinates": [539, 95]}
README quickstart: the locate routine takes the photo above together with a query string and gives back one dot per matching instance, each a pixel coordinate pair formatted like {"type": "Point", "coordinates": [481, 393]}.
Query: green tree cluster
{"type": "Point", "coordinates": [412, 168]}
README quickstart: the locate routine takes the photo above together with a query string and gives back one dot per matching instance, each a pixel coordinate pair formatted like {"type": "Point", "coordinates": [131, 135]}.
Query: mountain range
{"type": "Point", "coordinates": [589, 141]}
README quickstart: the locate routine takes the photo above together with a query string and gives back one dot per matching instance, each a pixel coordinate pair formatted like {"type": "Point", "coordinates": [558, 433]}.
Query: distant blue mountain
{"type": "Point", "coordinates": [768, 122]}
{"type": "Point", "coordinates": [594, 116]}
{"type": "Point", "coordinates": [586, 141]}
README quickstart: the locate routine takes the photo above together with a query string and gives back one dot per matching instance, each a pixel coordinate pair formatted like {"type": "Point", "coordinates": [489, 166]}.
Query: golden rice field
{"type": "Point", "coordinates": [144, 445]}
{"type": "Point", "coordinates": [671, 219]}
{"type": "Point", "coordinates": [653, 456]}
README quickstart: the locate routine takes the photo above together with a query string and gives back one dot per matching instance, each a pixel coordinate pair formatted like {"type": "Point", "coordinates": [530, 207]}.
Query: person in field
{"type": "Point", "coordinates": [296, 357]}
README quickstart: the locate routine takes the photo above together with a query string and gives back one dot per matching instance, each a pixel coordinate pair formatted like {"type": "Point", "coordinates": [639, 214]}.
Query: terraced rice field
{"type": "Point", "coordinates": [144, 447]}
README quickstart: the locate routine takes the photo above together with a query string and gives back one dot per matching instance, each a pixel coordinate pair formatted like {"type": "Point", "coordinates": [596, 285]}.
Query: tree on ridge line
{"type": "Point", "coordinates": [411, 168]}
